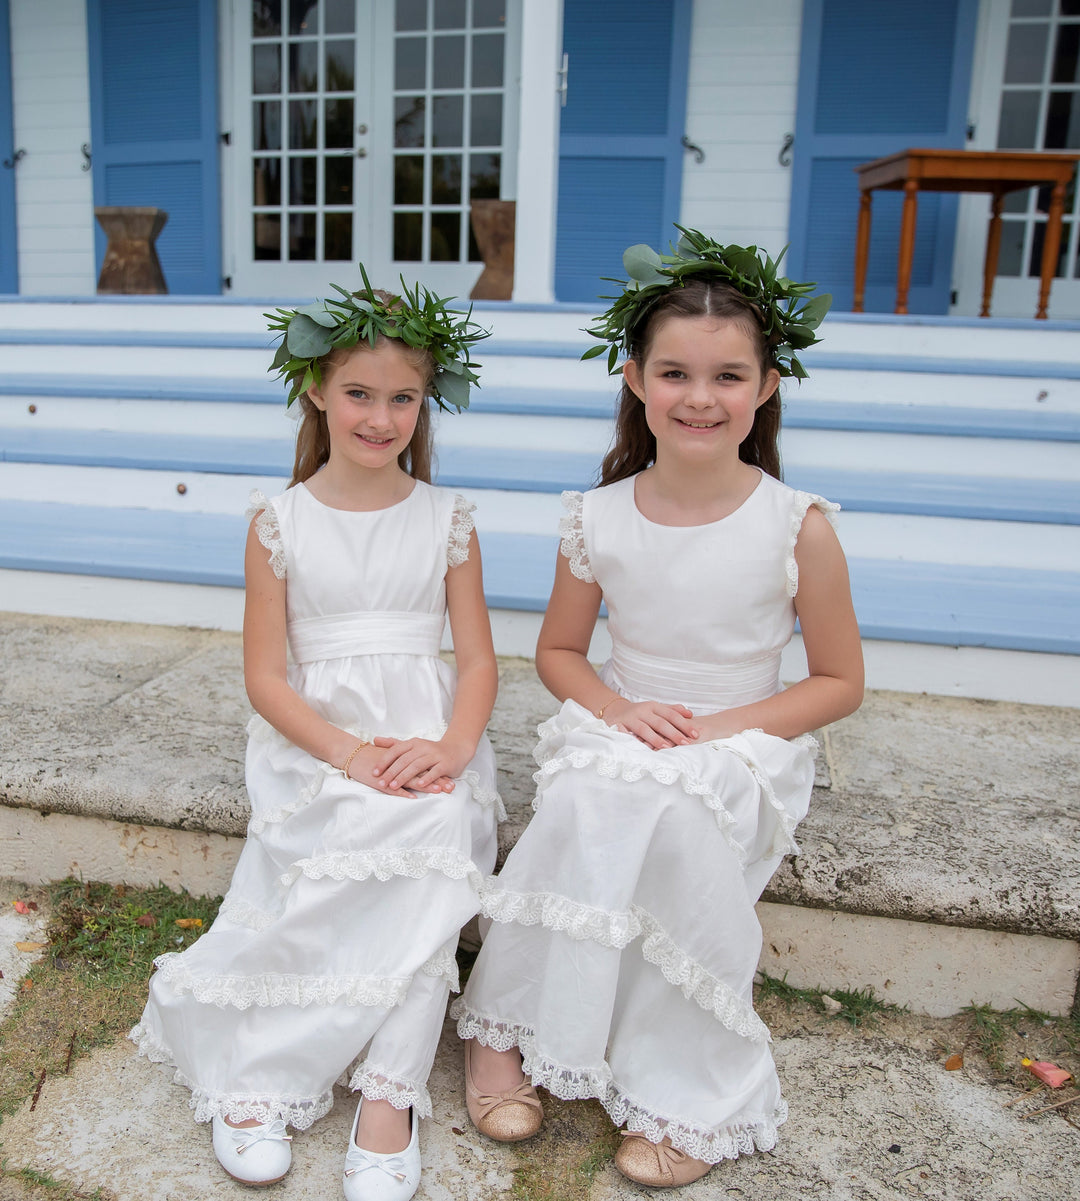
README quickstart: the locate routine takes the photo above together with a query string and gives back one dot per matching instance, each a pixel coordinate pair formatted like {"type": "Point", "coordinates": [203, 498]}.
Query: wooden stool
{"type": "Point", "coordinates": [131, 266]}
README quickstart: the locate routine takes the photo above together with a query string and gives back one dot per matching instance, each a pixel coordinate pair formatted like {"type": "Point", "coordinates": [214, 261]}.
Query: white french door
{"type": "Point", "coordinates": [1025, 96]}
{"type": "Point", "coordinates": [361, 131]}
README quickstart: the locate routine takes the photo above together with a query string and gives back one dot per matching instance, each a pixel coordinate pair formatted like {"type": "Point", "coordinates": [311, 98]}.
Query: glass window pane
{"type": "Point", "coordinates": [474, 250]}
{"type": "Point", "coordinates": [337, 237]}
{"type": "Point", "coordinates": [409, 121]}
{"type": "Point", "coordinates": [488, 12]}
{"type": "Point", "coordinates": [1066, 67]}
{"type": "Point", "coordinates": [1017, 202]}
{"type": "Point", "coordinates": [265, 69]}
{"type": "Point", "coordinates": [409, 179]}
{"type": "Point", "coordinates": [449, 14]}
{"type": "Point", "coordinates": [1070, 8]}
{"type": "Point", "coordinates": [408, 237]}
{"type": "Point", "coordinates": [410, 14]}
{"type": "Point", "coordinates": [447, 120]}
{"type": "Point", "coordinates": [445, 238]}
{"type": "Point", "coordinates": [339, 123]}
{"type": "Point", "coordinates": [1012, 248]}
{"type": "Point", "coordinates": [1026, 55]}
{"type": "Point", "coordinates": [304, 17]}
{"type": "Point", "coordinates": [340, 60]}
{"type": "Point", "coordinates": [267, 236]}
{"type": "Point", "coordinates": [339, 180]}
{"type": "Point", "coordinates": [1031, 8]}
{"type": "Point", "coordinates": [265, 18]}
{"type": "Point", "coordinates": [487, 60]}
{"type": "Point", "coordinates": [1063, 122]}
{"type": "Point", "coordinates": [1019, 124]}
{"type": "Point", "coordinates": [266, 181]}
{"type": "Point", "coordinates": [446, 179]}
{"type": "Point", "coordinates": [340, 16]}
{"type": "Point", "coordinates": [266, 125]}
{"type": "Point", "coordinates": [301, 236]}
{"type": "Point", "coordinates": [485, 121]}
{"type": "Point", "coordinates": [303, 124]}
{"type": "Point", "coordinates": [484, 176]}
{"type": "Point", "coordinates": [303, 66]}
{"type": "Point", "coordinates": [409, 70]}
{"type": "Point", "coordinates": [1038, 240]}
{"type": "Point", "coordinates": [302, 180]}
{"type": "Point", "coordinates": [448, 64]}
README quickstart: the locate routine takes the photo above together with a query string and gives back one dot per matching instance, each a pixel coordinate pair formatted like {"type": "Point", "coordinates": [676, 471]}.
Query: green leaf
{"type": "Point", "coordinates": [813, 312]}
{"type": "Point", "coordinates": [594, 352]}
{"type": "Point", "coordinates": [306, 339]}
{"type": "Point", "coordinates": [643, 264]}
{"type": "Point", "coordinates": [452, 389]}
{"type": "Point", "coordinates": [319, 313]}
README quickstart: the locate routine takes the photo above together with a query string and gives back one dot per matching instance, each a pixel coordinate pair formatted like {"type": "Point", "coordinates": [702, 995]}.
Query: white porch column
{"type": "Point", "coordinates": [538, 151]}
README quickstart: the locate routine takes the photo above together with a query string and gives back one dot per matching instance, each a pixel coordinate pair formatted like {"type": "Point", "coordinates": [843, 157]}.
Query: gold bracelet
{"type": "Point", "coordinates": [610, 701]}
{"type": "Point", "coordinates": [351, 756]}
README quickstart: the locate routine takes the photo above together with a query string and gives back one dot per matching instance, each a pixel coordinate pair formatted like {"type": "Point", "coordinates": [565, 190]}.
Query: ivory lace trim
{"type": "Point", "coordinates": [572, 544]}
{"type": "Point", "coordinates": [413, 862]}
{"type": "Point", "coordinates": [801, 502]}
{"type": "Point", "coordinates": [379, 1084]}
{"type": "Point", "coordinates": [756, 1131]}
{"type": "Point", "coordinates": [298, 1112]}
{"type": "Point", "coordinates": [617, 929]}
{"type": "Point", "coordinates": [461, 526]}
{"type": "Point", "coordinates": [267, 529]}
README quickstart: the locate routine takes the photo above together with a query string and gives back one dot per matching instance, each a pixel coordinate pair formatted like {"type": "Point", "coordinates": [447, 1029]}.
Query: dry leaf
{"type": "Point", "coordinates": [146, 919]}
{"type": "Point", "coordinates": [188, 923]}
{"type": "Point", "coordinates": [954, 1063]}
{"type": "Point", "coordinates": [27, 985]}
{"type": "Point", "coordinates": [1048, 1073]}
{"type": "Point", "coordinates": [30, 946]}
{"type": "Point", "coordinates": [21, 907]}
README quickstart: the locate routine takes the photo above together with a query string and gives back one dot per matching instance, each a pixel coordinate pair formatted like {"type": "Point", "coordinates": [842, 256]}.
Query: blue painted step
{"type": "Point", "coordinates": [986, 498]}
{"type": "Point", "coordinates": [913, 602]}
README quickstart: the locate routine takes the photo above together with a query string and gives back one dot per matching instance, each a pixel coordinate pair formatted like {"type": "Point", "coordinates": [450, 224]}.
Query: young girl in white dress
{"type": "Point", "coordinates": [372, 785]}
{"type": "Point", "coordinates": [621, 957]}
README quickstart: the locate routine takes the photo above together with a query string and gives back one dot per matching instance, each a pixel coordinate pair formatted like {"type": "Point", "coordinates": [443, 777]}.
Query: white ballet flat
{"type": "Point", "coordinates": [254, 1155]}
{"type": "Point", "coordinates": [370, 1176]}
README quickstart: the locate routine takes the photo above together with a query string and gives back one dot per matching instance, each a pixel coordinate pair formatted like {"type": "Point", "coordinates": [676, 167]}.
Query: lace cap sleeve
{"type": "Point", "coordinates": [461, 526]}
{"type": "Point", "coordinates": [267, 529]}
{"type": "Point", "coordinates": [572, 545]}
{"type": "Point", "coordinates": [801, 502]}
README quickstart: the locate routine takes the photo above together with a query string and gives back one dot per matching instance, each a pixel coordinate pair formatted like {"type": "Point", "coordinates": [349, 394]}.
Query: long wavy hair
{"type": "Point", "coordinates": [313, 437]}
{"type": "Point", "coordinates": [634, 445]}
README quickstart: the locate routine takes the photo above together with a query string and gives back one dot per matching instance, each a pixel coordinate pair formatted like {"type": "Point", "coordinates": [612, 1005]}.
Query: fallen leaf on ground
{"type": "Point", "coordinates": [954, 1063]}
{"type": "Point", "coordinates": [30, 946]}
{"type": "Point", "coordinates": [27, 985]}
{"type": "Point", "coordinates": [146, 919]}
{"type": "Point", "coordinates": [188, 923]}
{"type": "Point", "coordinates": [21, 906]}
{"type": "Point", "coordinates": [1048, 1073]}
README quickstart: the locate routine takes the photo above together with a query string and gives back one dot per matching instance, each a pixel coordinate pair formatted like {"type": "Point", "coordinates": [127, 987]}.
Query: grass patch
{"type": "Point", "coordinates": [575, 1144]}
{"type": "Point", "coordinates": [90, 986]}
{"type": "Point", "coordinates": [24, 1184]}
{"type": "Point", "coordinates": [1005, 1036]}
{"type": "Point", "coordinates": [858, 1006]}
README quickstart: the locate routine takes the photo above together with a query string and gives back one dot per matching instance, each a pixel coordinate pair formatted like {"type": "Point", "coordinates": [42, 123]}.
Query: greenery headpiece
{"type": "Point", "coordinates": [789, 313]}
{"type": "Point", "coordinates": [419, 318]}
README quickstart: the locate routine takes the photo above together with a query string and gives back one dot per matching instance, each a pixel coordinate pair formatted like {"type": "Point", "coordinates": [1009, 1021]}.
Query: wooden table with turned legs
{"type": "Point", "coordinates": [995, 171]}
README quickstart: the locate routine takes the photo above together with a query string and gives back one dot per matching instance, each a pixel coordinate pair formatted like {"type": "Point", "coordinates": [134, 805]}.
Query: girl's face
{"type": "Point", "coordinates": [372, 401]}
{"type": "Point", "coordinates": [701, 383]}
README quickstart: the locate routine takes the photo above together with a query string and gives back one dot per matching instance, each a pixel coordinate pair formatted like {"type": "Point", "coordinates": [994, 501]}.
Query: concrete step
{"type": "Point", "coordinates": [940, 861]}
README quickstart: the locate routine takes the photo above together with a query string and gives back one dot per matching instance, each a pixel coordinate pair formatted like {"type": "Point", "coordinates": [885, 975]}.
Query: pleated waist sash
{"type": "Point", "coordinates": [345, 634]}
{"type": "Point", "coordinates": [702, 687]}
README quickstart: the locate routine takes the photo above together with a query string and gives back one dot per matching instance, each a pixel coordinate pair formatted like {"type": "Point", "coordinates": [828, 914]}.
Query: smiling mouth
{"type": "Point", "coordinates": [373, 441]}
{"type": "Point", "coordinates": [700, 425]}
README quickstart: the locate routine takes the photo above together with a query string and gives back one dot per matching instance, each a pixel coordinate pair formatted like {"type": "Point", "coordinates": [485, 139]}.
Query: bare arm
{"type": "Point", "coordinates": [834, 687]}
{"type": "Point", "coordinates": [419, 762]}
{"type": "Point", "coordinates": [562, 663]}
{"type": "Point", "coordinates": [266, 680]}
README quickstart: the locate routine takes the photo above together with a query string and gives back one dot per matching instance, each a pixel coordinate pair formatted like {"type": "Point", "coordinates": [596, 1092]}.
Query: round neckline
{"type": "Point", "coordinates": [701, 525]}
{"type": "Point", "coordinates": [333, 509]}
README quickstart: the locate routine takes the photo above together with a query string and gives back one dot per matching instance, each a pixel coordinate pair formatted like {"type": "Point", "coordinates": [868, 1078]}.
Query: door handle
{"type": "Point", "coordinates": [13, 162]}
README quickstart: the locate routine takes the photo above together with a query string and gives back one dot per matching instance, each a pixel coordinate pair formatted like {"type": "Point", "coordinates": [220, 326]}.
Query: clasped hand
{"type": "Point", "coordinates": [663, 726]}
{"type": "Point", "coordinates": [409, 765]}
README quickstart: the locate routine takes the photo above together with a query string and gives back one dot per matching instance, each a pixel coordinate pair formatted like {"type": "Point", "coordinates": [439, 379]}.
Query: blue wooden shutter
{"type": "Point", "coordinates": [154, 124]}
{"type": "Point", "coordinates": [620, 157]}
{"type": "Point", "coordinates": [875, 79]}
{"type": "Point", "coordinates": [9, 271]}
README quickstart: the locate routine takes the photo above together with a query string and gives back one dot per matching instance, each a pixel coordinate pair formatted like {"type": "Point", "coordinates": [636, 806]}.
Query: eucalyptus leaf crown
{"type": "Point", "coordinates": [419, 318]}
{"type": "Point", "coordinates": [789, 314]}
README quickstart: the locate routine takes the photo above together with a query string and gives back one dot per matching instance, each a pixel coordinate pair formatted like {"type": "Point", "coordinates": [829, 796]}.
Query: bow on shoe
{"type": "Point", "coordinates": [358, 1160]}
{"type": "Point", "coordinates": [245, 1137]}
{"type": "Point", "coordinates": [524, 1093]}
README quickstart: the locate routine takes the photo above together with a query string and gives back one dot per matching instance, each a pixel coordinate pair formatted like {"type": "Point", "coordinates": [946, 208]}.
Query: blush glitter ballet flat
{"type": "Point", "coordinates": [255, 1155]}
{"type": "Point", "coordinates": [657, 1165]}
{"type": "Point", "coordinates": [507, 1117]}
